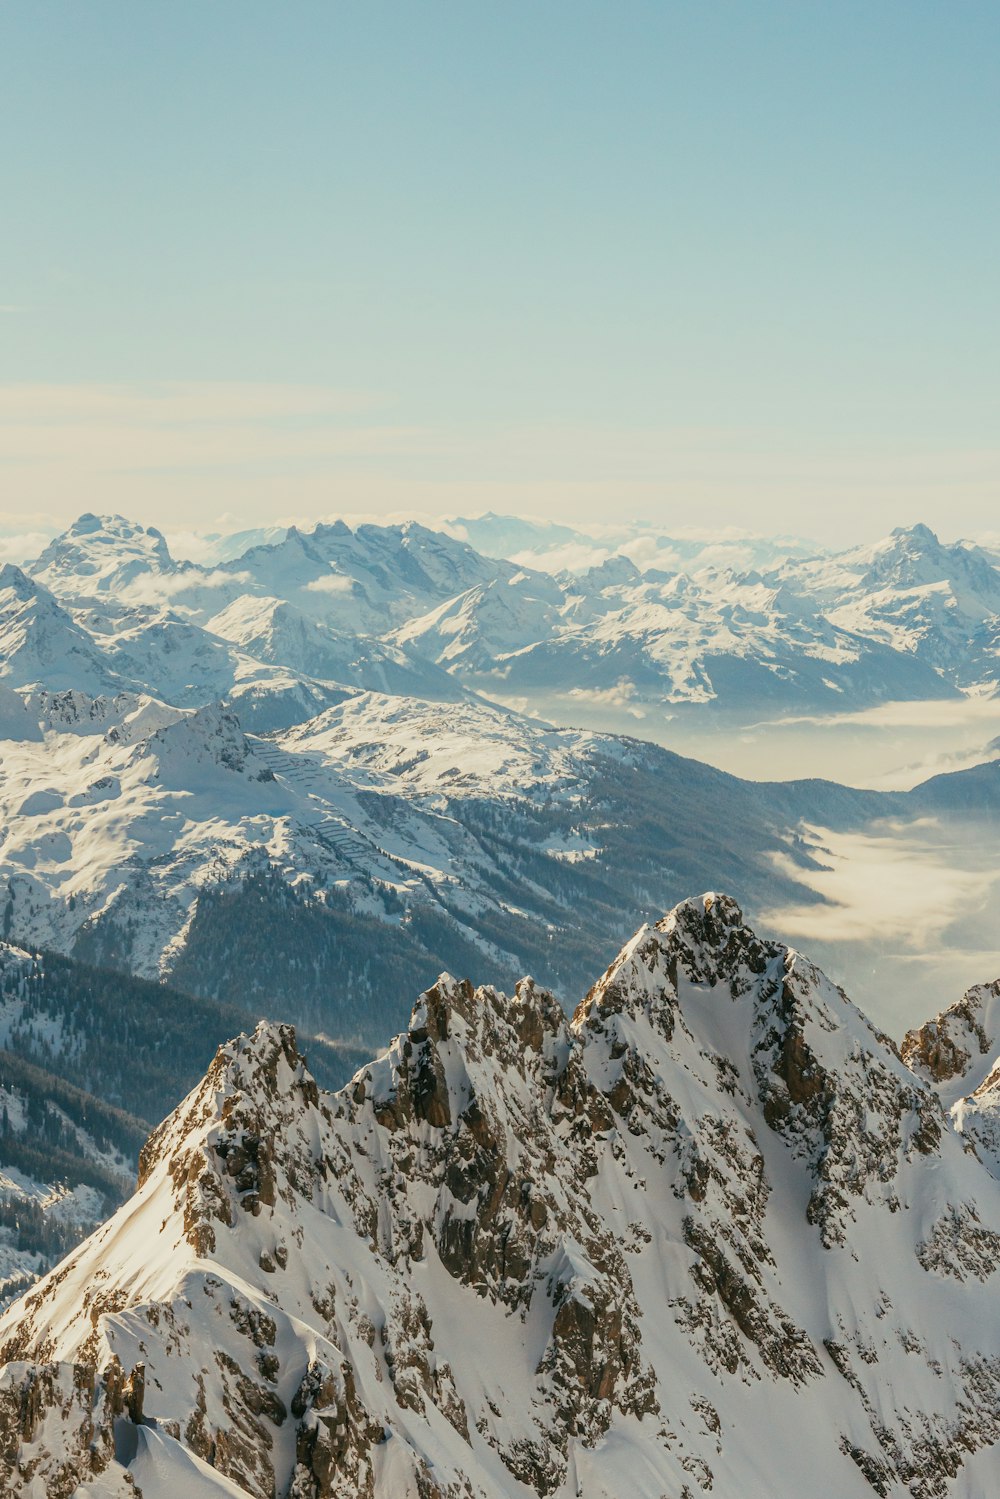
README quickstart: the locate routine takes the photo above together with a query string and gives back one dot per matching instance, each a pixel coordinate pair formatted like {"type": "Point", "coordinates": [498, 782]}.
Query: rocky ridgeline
{"type": "Point", "coordinates": [958, 1054]}
{"type": "Point", "coordinates": [713, 1234]}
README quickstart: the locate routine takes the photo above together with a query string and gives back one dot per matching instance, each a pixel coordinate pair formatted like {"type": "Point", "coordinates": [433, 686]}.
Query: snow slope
{"type": "Point", "coordinates": [458, 834]}
{"type": "Point", "coordinates": [713, 1235]}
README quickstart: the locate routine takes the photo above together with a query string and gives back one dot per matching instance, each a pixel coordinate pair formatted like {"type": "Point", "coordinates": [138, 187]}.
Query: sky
{"type": "Point", "coordinates": [696, 263]}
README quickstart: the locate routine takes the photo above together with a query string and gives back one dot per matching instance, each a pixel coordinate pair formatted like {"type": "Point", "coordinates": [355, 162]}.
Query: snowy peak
{"type": "Point", "coordinates": [919, 534]}
{"type": "Point", "coordinates": [243, 1139]}
{"type": "Point", "coordinates": [17, 588]}
{"type": "Point", "coordinates": [15, 584]}
{"type": "Point", "coordinates": [714, 1209]}
{"type": "Point", "coordinates": [212, 736]}
{"type": "Point", "coordinates": [464, 1046]}
{"type": "Point", "coordinates": [99, 554]}
{"type": "Point", "coordinates": [702, 992]}
{"type": "Point", "coordinates": [958, 1053]}
{"type": "Point", "coordinates": [705, 939]}
{"type": "Point", "coordinates": [913, 557]}
{"type": "Point", "coordinates": [398, 570]}
{"type": "Point", "coordinates": [614, 572]}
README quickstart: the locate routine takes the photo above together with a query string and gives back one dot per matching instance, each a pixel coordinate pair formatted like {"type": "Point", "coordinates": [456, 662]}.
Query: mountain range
{"type": "Point", "coordinates": [254, 788]}
{"type": "Point", "coordinates": [409, 609]}
{"type": "Point", "coordinates": [296, 730]}
{"type": "Point", "coordinates": [713, 1234]}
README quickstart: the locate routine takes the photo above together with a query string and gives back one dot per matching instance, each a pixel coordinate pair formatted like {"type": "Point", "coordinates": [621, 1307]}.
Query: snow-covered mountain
{"type": "Point", "coordinates": [350, 856]}
{"type": "Point", "coordinates": [938, 603]}
{"type": "Point", "coordinates": [273, 631]}
{"type": "Point", "coordinates": [41, 645]}
{"type": "Point", "coordinates": [740, 642]}
{"type": "Point", "coordinates": [285, 626]}
{"type": "Point", "coordinates": [958, 1053]}
{"type": "Point", "coordinates": [409, 610]}
{"type": "Point", "coordinates": [101, 554]}
{"type": "Point", "coordinates": [346, 859]}
{"type": "Point", "coordinates": [277, 766]}
{"type": "Point", "coordinates": [907, 618]}
{"type": "Point", "coordinates": [713, 1235]}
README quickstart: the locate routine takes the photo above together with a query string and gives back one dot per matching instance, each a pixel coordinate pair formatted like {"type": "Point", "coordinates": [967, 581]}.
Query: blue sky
{"type": "Point", "coordinates": [696, 262]}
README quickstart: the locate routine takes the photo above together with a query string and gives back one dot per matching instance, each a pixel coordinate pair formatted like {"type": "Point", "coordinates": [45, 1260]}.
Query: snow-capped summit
{"type": "Point", "coordinates": [365, 580]}
{"type": "Point", "coordinates": [937, 603]}
{"type": "Point", "coordinates": [15, 583]}
{"type": "Point", "coordinates": [99, 554]}
{"type": "Point", "coordinates": [913, 557]}
{"type": "Point", "coordinates": [714, 1234]}
{"type": "Point", "coordinates": [615, 572]}
{"type": "Point", "coordinates": [957, 1050]}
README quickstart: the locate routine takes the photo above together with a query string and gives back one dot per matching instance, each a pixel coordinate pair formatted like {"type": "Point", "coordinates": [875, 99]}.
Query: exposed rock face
{"type": "Point", "coordinates": [958, 1052]}
{"type": "Point", "coordinates": [955, 1051]}
{"type": "Point", "coordinates": [57, 1427]}
{"type": "Point", "coordinates": [713, 1226]}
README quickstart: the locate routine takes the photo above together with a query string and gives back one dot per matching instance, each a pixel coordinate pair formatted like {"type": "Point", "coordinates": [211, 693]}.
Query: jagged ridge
{"type": "Point", "coordinates": [624, 1255]}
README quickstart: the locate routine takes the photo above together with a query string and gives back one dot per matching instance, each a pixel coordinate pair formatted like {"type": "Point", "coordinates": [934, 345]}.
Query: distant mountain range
{"type": "Point", "coordinates": [289, 623]}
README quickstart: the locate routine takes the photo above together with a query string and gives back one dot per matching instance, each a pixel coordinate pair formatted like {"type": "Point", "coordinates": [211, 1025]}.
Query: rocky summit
{"type": "Point", "coordinates": [713, 1234]}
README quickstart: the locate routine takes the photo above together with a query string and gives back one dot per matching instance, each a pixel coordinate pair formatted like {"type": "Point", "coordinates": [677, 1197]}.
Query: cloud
{"type": "Point", "coordinates": [898, 884]}
{"type": "Point", "coordinates": [920, 713]}
{"type": "Point", "coordinates": [23, 546]}
{"type": "Point", "coordinates": [909, 898]}
{"type": "Point", "coordinates": [192, 546]}
{"type": "Point", "coordinates": [619, 696]}
{"type": "Point", "coordinates": [331, 583]}
{"type": "Point", "coordinates": [572, 556]}
{"type": "Point", "coordinates": [154, 588]}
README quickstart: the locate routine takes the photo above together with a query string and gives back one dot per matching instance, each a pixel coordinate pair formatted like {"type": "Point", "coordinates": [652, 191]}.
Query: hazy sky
{"type": "Point", "coordinates": [689, 261]}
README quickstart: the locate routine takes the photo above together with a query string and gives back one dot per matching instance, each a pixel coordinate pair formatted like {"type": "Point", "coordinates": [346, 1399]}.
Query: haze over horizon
{"type": "Point", "coordinates": [694, 265]}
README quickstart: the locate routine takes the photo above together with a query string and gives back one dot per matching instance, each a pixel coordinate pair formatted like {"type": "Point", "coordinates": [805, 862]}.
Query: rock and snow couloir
{"type": "Point", "coordinates": [713, 1233]}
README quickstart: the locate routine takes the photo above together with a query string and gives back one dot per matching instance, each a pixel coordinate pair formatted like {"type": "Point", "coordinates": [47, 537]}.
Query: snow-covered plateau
{"type": "Point", "coordinates": [712, 1235]}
